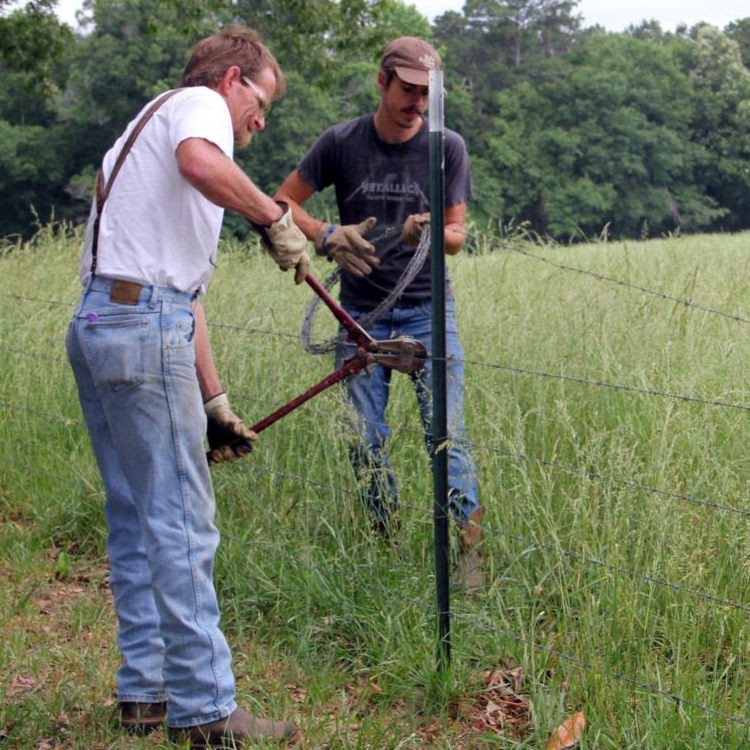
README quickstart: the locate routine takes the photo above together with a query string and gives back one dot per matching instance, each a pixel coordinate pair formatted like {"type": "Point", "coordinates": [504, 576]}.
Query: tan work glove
{"type": "Point", "coordinates": [229, 438]}
{"type": "Point", "coordinates": [286, 244]}
{"type": "Point", "coordinates": [413, 228]}
{"type": "Point", "coordinates": [346, 245]}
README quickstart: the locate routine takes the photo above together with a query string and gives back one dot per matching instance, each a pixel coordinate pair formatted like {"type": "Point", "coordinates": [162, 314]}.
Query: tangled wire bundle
{"type": "Point", "coordinates": [411, 270]}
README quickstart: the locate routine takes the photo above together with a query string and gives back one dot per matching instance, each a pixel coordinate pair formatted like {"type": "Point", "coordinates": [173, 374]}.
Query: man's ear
{"type": "Point", "coordinates": [382, 80]}
{"type": "Point", "coordinates": [231, 76]}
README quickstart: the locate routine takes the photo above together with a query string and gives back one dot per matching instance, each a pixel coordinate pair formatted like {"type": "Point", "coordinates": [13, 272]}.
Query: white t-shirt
{"type": "Point", "coordinates": [156, 228]}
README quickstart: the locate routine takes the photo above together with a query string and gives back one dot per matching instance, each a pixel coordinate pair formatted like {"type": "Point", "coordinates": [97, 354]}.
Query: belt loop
{"type": "Point", "coordinates": [154, 297]}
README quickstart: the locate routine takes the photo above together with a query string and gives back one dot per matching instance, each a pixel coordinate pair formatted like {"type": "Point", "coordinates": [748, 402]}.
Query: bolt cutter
{"type": "Point", "coordinates": [404, 354]}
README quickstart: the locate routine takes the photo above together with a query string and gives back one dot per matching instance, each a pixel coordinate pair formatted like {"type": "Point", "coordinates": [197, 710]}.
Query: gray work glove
{"type": "Point", "coordinates": [412, 232]}
{"type": "Point", "coordinates": [286, 244]}
{"type": "Point", "coordinates": [229, 438]}
{"type": "Point", "coordinates": [346, 245]}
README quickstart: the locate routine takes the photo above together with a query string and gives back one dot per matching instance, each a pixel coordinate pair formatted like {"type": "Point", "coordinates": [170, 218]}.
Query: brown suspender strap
{"type": "Point", "coordinates": [102, 190]}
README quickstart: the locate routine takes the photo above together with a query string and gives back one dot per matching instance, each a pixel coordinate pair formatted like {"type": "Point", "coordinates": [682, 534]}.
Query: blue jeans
{"type": "Point", "coordinates": [135, 370]}
{"type": "Point", "coordinates": [369, 392]}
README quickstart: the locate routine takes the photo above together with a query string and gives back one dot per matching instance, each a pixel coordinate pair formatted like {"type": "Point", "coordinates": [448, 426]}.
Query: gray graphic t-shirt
{"type": "Point", "coordinates": [389, 181]}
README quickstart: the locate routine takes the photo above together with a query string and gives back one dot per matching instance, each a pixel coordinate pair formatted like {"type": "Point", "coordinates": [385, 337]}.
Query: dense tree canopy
{"type": "Point", "coordinates": [576, 131]}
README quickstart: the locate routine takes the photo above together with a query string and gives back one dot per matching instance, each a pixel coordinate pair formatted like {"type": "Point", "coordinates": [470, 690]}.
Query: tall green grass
{"type": "Point", "coordinates": [614, 599]}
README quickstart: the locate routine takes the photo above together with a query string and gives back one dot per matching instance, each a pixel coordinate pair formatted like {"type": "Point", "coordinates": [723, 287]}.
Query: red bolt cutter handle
{"type": "Point", "coordinates": [353, 364]}
{"type": "Point", "coordinates": [350, 366]}
{"type": "Point", "coordinates": [357, 334]}
{"type": "Point", "coordinates": [365, 354]}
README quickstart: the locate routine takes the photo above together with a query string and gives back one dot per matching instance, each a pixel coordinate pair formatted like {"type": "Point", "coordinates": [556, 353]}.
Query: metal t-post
{"type": "Point", "coordinates": [439, 397]}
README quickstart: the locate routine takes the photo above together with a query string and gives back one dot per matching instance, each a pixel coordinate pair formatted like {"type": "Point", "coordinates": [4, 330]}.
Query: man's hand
{"type": "Point", "coordinates": [413, 228]}
{"type": "Point", "coordinates": [346, 245]}
{"type": "Point", "coordinates": [286, 244]}
{"type": "Point", "coordinates": [229, 438]}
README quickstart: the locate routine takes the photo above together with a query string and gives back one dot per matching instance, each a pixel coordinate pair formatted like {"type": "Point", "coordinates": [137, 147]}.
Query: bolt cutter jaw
{"type": "Point", "coordinates": [404, 354]}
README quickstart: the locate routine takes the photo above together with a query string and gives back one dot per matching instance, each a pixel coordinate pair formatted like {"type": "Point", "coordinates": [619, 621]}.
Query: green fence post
{"type": "Point", "coordinates": [439, 398]}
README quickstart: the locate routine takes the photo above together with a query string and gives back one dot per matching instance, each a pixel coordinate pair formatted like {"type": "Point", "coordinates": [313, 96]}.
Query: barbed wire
{"type": "Point", "coordinates": [569, 469]}
{"type": "Point", "coordinates": [620, 676]}
{"type": "Point", "coordinates": [352, 493]}
{"type": "Point", "coordinates": [37, 412]}
{"type": "Point", "coordinates": [517, 456]}
{"type": "Point", "coordinates": [33, 355]}
{"type": "Point", "coordinates": [685, 398]}
{"type": "Point", "coordinates": [513, 247]}
{"type": "Point", "coordinates": [249, 329]}
{"type": "Point", "coordinates": [612, 386]}
{"type": "Point", "coordinates": [547, 547]}
{"type": "Point", "coordinates": [614, 480]}
{"type": "Point", "coordinates": [37, 299]}
{"type": "Point", "coordinates": [621, 570]}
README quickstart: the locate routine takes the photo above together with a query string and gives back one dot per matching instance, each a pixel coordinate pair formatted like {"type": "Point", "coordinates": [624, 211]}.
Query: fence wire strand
{"type": "Point", "coordinates": [475, 619]}
{"type": "Point", "coordinates": [598, 669]}
{"type": "Point", "coordinates": [512, 247]}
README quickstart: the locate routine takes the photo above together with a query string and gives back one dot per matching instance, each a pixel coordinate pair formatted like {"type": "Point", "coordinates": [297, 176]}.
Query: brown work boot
{"type": "Point", "coordinates": [469, 571]}
{"type": "Point", "coordinates": [141, 718]}
{"type": "Point", "coordinates": [233, 731]}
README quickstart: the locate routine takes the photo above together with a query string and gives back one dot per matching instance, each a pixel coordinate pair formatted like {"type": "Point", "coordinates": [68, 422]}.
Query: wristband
{"type": "Point", "coordinates": [327, 234]}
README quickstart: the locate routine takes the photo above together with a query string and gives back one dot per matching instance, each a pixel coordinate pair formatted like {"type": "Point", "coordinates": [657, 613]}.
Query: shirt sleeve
{"type": "Point", "coordinates": [318, 166]}
{"type": "Point", "coordinates": [199, 112]}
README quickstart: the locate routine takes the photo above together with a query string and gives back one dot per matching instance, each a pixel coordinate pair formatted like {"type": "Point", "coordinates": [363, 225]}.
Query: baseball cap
{"type": "Point", "coordinates": [412, 58]}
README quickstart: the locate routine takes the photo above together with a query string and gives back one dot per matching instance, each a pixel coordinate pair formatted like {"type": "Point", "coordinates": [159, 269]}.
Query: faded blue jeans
{"type": "Point", "coordinates": [369, 392]}
{"type": "Point", "coordinates": [135, 370]}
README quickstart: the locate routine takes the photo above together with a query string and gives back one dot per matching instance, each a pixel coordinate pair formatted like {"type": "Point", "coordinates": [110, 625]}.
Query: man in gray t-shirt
{"type": "Point", "coordinates": [379, 167]}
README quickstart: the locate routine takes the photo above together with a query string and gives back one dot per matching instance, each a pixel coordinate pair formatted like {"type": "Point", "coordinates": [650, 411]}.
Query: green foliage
{"type": "Point", "coordinates": [30, 172]}
{"type": "Point", "coordinates": [32, 40]}
{"type": "Point", "coordinates": [570, 129]}
{"type": "Point", "coordinates": [592, 143]}
{"type": "Point", "coordinates": [32, 162]}
{"type": "Point", "coordinates": [739, 31]}
{"type": "Point", "coordinates": [722, 121]}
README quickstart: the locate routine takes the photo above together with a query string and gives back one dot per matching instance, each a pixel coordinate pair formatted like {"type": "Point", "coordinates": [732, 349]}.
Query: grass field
{"type": "Point", "coordinates": [610, 425]}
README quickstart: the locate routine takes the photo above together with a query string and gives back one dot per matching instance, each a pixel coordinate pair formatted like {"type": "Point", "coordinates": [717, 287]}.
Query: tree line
{"type": "Point", "coordinates": [578, 132]}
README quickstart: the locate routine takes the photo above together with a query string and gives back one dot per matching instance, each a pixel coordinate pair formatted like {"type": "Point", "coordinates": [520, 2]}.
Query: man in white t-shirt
{"type": "Point", "coordinates": [148, 387]}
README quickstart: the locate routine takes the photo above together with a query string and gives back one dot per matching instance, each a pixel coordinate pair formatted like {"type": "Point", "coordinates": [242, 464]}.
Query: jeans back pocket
{"type": "Point", "coordinates": [115, 347]}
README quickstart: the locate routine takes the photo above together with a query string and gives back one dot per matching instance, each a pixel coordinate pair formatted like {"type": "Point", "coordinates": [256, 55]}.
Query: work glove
{"type": "Point", "coordinates": [346, 245]}
{"type": "Point", "coordinates": [286, 244]}
{"type": "Point", "coordinates": [412, 232]}
{"type": "Point", "coordinates": [229, 438]}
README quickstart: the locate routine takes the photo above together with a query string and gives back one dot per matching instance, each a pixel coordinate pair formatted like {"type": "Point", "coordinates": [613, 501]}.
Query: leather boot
{"type": "Point", "coordinates": [141, 718]}
{"type": "Point", "coordinates": [469, 572]}
{"type": "Point", "coordinates": [234, 731]}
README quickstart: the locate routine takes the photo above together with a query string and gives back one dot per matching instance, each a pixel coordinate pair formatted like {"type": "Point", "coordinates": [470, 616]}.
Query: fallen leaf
{"type": "Point", "coordinates": [493, 714]}
{"type": "Point", "coordinates": [568, 733]}
{"type": "Point", "coordinates": [517, 675]}
{"type": "Point", "coordinates": [494, 678]}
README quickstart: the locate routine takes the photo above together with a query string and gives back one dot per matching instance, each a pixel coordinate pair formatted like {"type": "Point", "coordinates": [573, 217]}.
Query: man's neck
{"type": "Point", "coordinates": [390, 132]}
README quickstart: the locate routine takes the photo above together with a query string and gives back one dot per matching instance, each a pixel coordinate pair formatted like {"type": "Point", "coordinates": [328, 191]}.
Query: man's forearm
{"type": "Point", "coordinates": [210, 171]}
{"type": "Point", "coordinates": [295, 191]}
{"type": "Point", "coordinates": [208, 377]}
